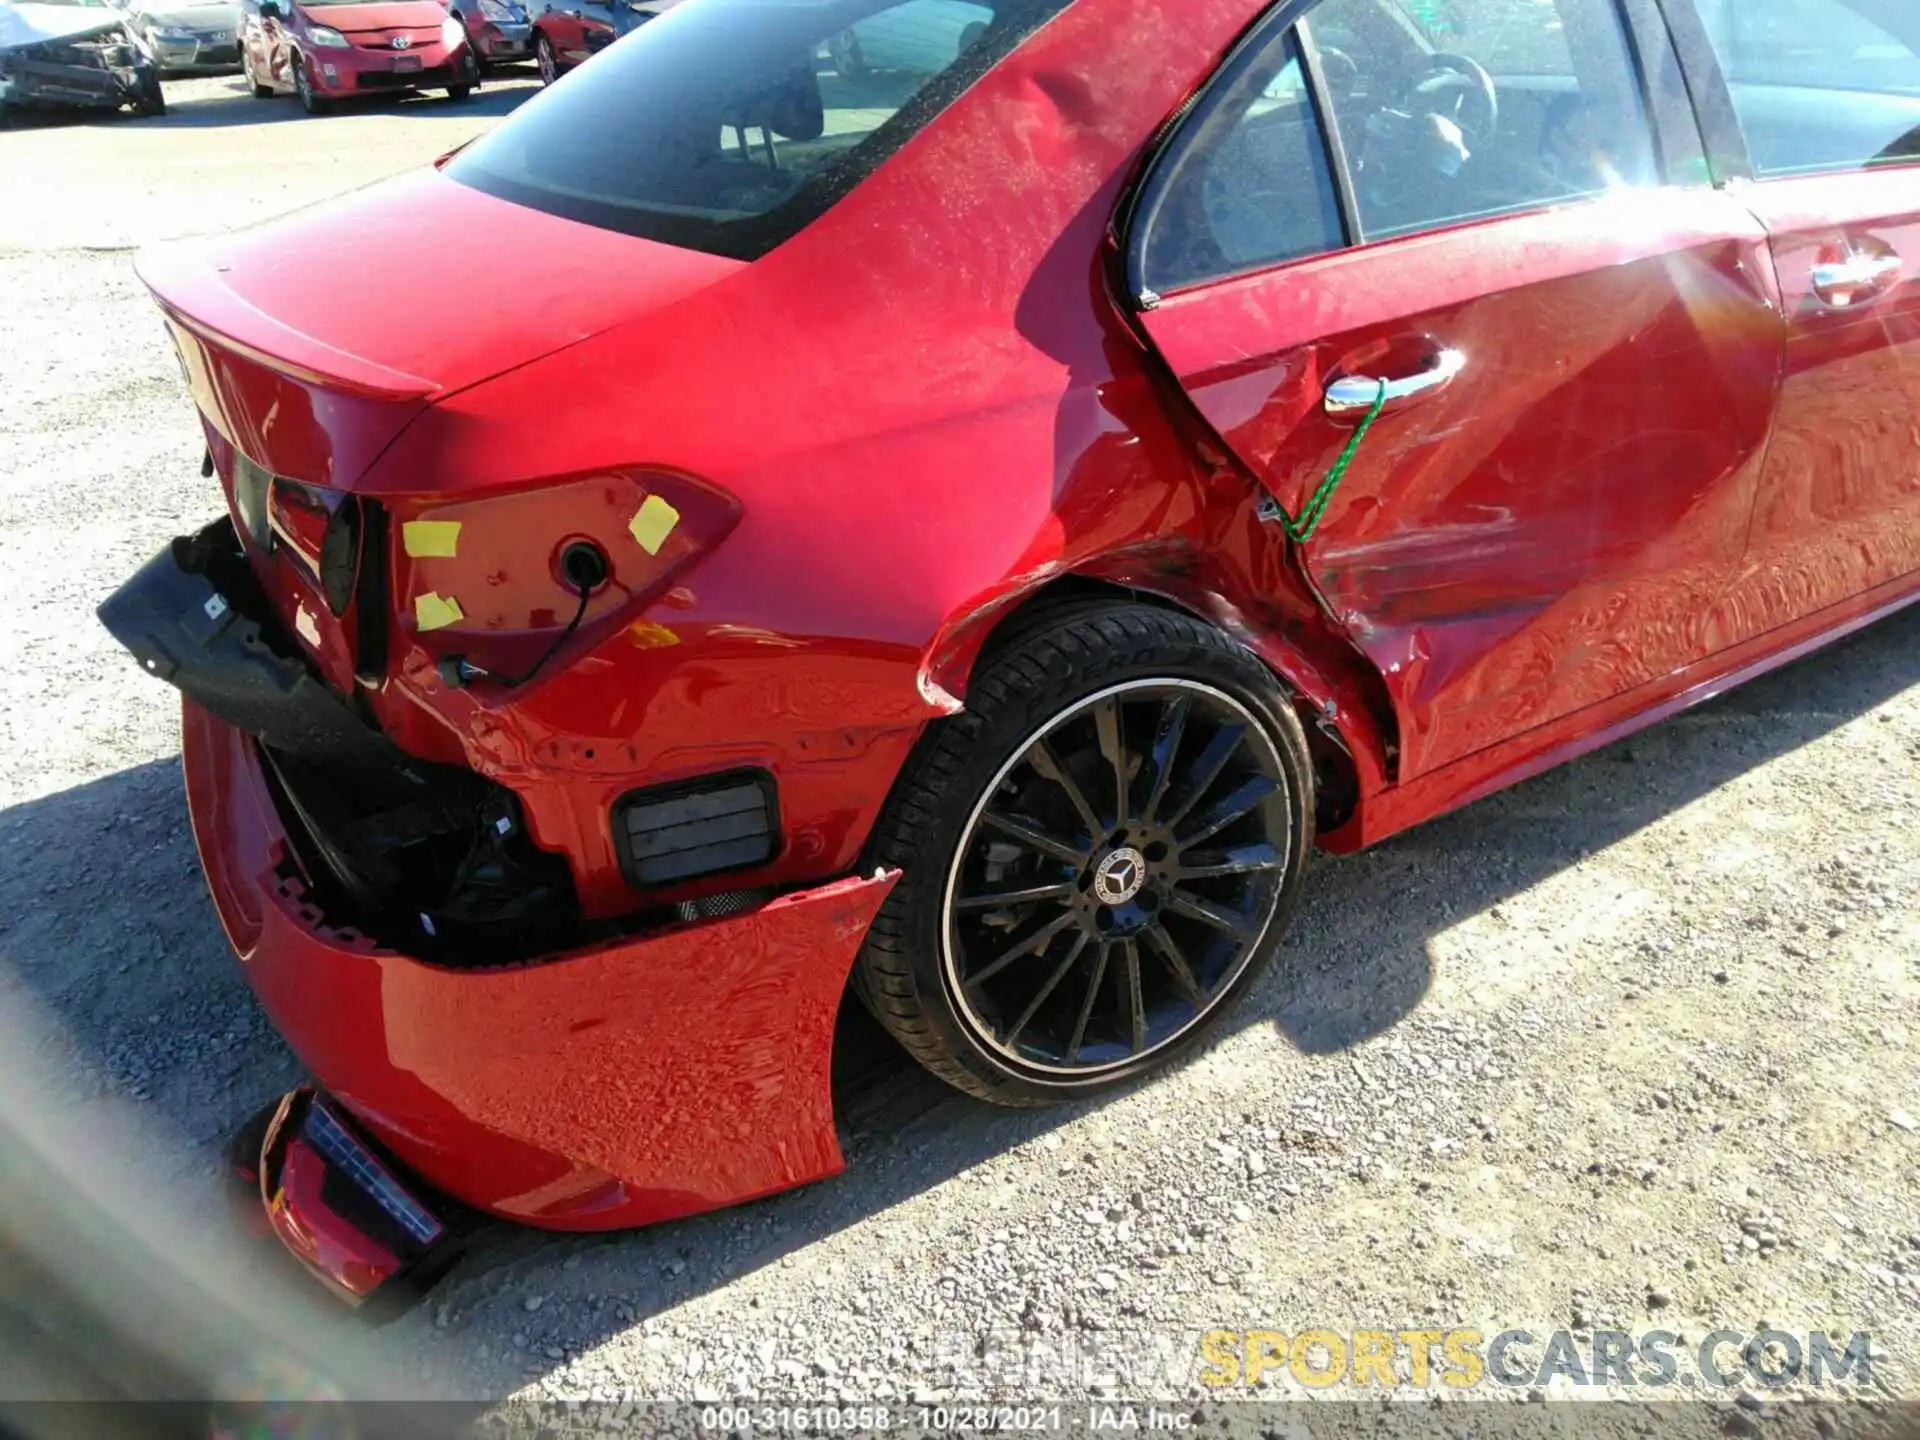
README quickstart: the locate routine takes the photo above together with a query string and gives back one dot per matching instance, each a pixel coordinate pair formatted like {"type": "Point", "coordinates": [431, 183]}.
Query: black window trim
{"type": "Point", "coordinates": [1141, 207]}
{"type": "Point", "coordinates": [1330, 134]}
{"type": "Point", "coordinates": [1676, 127]}
{"type": "Point", "coordinates": [1713, 112]}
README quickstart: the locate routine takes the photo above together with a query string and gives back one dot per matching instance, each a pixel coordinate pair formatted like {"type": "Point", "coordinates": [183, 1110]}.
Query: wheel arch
{"type": "Point", "coordinates": [1336, 704]}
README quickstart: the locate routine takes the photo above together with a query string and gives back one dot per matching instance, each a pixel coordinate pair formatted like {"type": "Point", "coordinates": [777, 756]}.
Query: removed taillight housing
{"type": "Point", "coordinates": [319, 529]}
{"type": "Point", "coordinates": [494, 580]}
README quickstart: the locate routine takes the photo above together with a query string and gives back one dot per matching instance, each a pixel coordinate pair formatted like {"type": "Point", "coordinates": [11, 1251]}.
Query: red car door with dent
{"type": "Point", "coordinates": [1579, 362]}
{"type": "Point", "coordinates": [1827, 93]}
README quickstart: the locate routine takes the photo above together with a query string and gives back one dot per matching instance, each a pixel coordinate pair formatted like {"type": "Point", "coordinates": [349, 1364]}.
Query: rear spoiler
{"type": "Point", "coordinates": [186, 280]}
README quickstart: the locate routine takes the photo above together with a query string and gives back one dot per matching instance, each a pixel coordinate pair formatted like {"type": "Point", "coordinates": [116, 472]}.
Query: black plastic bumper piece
{"type": "Point", "coordinates": [194, 617]}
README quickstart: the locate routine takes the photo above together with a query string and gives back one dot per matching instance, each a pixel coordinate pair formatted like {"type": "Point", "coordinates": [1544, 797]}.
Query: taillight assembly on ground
{"type": "Point", "coordinates": [338, 1207]}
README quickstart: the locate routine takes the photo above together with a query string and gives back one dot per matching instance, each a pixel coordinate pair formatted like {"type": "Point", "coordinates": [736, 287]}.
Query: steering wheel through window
{"type": "Point", "coordinates": [1448, 112]}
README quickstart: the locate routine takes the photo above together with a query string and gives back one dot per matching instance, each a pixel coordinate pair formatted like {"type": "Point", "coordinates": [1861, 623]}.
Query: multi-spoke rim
{"type": "Point", "coordinates": [1116, 877]}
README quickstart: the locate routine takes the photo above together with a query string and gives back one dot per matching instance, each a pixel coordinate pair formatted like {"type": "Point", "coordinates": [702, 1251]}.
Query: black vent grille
{"type": "Point", "coordinates": [697, 828]}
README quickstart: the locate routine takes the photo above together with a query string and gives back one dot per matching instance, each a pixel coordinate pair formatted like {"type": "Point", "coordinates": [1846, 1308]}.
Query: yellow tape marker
{"type": "Point", "coordinates": [431, 539]}
{"type": "Point", "coordinates": [654, 524]}
{"type": "Point", "coordinates": [649, 636]}
{"type": "Point", "coordinates": [436, 612]}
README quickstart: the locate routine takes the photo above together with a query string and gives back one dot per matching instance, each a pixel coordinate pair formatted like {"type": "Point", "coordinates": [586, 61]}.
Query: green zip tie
{"type": "Point", "coordinates": [1300, 531]}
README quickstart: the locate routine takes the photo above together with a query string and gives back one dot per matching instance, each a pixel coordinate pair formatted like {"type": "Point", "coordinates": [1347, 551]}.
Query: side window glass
{"type": "Point", "coordinates": [1821, 84]}
{"type": "Point", "coordinates": [1452, 110]}
{"type": "Point", "coordinates": [1249, 184]}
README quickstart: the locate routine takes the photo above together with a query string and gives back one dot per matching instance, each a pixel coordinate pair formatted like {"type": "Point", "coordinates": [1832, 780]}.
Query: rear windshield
{"type": "Point", "coordinates": [727, 125]}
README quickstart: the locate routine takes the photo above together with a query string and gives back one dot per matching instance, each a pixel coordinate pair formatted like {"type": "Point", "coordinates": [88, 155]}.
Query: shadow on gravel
{"type": "Point", "coordinates": [103, 915]}
{"type": "Point", "coordinates": [105, 922]}
{"type": "Point", "coordinates": [499, 94]}
{"type": "Point", "coordinates": [1359, 947]}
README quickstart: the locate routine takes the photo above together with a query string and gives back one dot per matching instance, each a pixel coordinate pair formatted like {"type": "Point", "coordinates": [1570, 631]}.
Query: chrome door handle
{"type": "Point", "coordinates": [1856, 278]}
{"type": "Point", "coordinates": [1357, 394]}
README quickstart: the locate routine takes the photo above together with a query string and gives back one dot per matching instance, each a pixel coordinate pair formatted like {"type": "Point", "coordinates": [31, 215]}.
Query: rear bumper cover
{"type": "Point", "coordinates": [615, 1085]}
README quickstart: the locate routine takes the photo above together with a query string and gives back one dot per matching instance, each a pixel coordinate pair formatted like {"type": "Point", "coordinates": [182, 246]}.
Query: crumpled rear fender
{"type": "Point", "coordinates": [1337, 690]}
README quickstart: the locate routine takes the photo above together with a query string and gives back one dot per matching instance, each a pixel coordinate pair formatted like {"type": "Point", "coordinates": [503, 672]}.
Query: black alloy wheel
{"type": "Point", "coordinates": [1085, 895]}
{"type": "Point", "coordinates": [1117, 876]}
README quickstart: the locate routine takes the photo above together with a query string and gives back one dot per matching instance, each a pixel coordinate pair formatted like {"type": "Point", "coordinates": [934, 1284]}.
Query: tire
{"type": "Point", "coordinates": [310, 101]}
{"type": "Point", "coordinates": [1074, 988]}
{"type": "Point", "coordinates": [471, 81]}
{"type": "Point", "coordinates": [544, 57]}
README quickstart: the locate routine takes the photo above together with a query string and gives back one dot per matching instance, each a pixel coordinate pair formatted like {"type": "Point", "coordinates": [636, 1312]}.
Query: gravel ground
{"type": "Point", "coordinates": [1629, 1046]}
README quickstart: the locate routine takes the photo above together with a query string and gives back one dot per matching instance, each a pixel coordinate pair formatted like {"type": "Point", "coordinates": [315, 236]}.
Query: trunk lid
{"type": "Point", "coordinates": [311, 342]}
{"type": "Point", "coordinates": [405, 291]}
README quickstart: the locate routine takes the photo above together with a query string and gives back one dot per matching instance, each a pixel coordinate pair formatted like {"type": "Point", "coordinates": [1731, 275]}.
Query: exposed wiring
{"type": "Point", "coordinates": [584, 566]}
{"type": "Point", "coordinates": [579, 614]}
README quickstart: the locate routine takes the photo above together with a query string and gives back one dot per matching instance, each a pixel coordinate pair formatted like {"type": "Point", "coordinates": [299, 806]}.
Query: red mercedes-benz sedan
{"type": "Point", "coordinates": [966, 529]}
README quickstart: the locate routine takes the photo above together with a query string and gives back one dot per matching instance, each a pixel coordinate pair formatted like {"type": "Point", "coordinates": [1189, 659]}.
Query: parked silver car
{"type": "Point", "coordinates": [187, 34]}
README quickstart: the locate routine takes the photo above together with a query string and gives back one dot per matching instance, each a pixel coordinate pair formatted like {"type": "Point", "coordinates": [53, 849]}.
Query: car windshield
{"type": "Point", "coordinates": [728, 125]}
